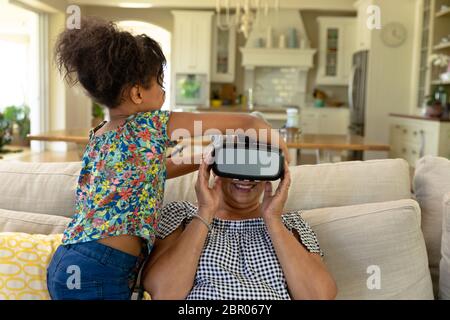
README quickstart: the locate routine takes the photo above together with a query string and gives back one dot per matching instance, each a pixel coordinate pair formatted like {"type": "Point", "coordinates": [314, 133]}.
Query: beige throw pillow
{"type": "Point", "coordinates": [431, 183]}
{"type": "Point", "coordinates": [374, 251]}
{"type": "Point", "coordinates": [444, 278]}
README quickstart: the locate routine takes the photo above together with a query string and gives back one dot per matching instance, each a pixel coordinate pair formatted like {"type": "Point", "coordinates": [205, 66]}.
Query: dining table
{"type": "Point", "coordinates": [325, 145]}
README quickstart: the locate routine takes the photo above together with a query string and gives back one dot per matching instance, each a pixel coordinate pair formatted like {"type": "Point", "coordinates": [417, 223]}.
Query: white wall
{"type": "Point", "coordinates": [69, 107]}
{"type": "Point", "coordinates": [78, 108]}
{"type": "Point", "coordinates": [390, 73]}
{"type": "Point", "coordinates": [47, 6]}
{"type": "Point", "coordinates": [209, 4]}
{"type": "Point", "coordinates": [56, 90]}
{"type": "Point", "coordinates": [156, 16]}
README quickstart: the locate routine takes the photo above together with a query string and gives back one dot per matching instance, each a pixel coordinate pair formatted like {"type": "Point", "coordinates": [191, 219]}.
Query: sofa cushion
{"type": "Point", "coordinates": [23, 265]}
{"type": "Point", "coordinates": [327, 185]}
{"type": "Point", "coordinates": [444, 276]}
{"type": "Point", "coordinates": [363, 242]}
{"type": "Point", "coordinates": [34, 223]}
{"type": "Point", "coordinates": [348, 183]}
{"type": "Point", "coordinates": [47, 188]}
{"type": "Point", "coordinates": [431, 183]}
{"type": "Point", "coordinates": [181, 189]}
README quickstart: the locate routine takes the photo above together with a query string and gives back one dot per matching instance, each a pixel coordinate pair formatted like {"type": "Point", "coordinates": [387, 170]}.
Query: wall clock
{"type": "Point", "coordinates": [394, 34]}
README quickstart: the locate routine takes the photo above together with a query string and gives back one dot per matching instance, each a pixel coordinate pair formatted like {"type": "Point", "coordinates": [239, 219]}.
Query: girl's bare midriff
{"type": "Point", "coordinates": [128, 244]}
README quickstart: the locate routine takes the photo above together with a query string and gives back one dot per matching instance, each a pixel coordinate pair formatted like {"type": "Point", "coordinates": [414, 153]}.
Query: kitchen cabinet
{"type": "Point", "coordinates": [324, 120]}
{"type": "Point", "coordinates": [434, 25]}
{"type": "Point", "coordinates": [336, 48]}
{"type": "Point", "coordinates": [363, 33]}
{"type": "Point", "coordinates": [412, 138]}
{"type": "Point", "coordinates": [315, 120]}
{"type": "Point", "coordinates": [192, 41]}
{"type": "Point", "coordinates": [223, 52]}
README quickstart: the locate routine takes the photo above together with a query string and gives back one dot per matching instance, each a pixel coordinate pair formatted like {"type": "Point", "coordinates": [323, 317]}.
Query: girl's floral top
{"type": "Point", "coordinates": [121, 184]}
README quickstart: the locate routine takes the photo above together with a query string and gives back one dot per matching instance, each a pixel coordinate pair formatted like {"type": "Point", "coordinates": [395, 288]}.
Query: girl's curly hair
{"type": "Point", "coordinates": [107, 61]}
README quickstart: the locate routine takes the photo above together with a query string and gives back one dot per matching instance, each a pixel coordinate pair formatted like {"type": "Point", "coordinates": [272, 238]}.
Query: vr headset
{"type": "Point", "coordinates": [246, 160]}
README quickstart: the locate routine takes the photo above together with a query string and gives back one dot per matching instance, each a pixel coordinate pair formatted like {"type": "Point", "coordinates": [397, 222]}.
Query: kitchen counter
{"type": "Point", "coordinates": [241, 109]}
{"type": "Point", "coordinates": [238, 108]}
{"type": "Point", "coordinates": [418, 117]}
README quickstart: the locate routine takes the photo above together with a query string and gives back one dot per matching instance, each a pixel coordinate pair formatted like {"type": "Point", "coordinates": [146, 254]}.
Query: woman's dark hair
{"type": "Point", "coordinates": [106, 60]}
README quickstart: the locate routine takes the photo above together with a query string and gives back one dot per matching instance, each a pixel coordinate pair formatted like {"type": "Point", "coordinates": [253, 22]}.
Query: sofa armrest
{"type": "Point", "coordinates": [447, 198]}
{"type": "Point", "coordinates": [444, 278]}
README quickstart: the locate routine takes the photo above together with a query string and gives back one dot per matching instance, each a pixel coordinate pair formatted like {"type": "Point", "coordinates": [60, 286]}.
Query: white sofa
{"type": "Point", "coordinates": [369, 225]}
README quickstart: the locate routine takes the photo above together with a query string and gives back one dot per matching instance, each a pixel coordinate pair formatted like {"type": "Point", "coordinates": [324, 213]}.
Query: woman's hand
{"type": "Point", "coordinates": [208, 198]}
{"type": "Point", "coordinates": [273, 205]}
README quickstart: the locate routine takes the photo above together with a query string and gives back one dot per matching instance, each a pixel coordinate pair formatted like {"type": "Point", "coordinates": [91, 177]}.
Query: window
{"type": "Point", "coordinates": [17, 56]}
{"type": "Point", "coordinates": [14, 76]}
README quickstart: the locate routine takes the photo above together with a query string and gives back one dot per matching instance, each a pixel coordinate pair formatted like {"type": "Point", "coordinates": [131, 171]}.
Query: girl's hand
{"type": "Point", "coordinates": [208, 198]}
{"type": "Point", "coordinates": [273, 205]}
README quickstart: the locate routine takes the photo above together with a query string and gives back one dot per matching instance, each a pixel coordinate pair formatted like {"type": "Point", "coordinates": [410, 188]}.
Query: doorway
{"type": "Point", "coordinates": [163, 37]}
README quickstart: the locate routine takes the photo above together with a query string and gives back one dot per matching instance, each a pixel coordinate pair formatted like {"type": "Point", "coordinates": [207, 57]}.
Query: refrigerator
{"type": "Point", "coordinates": [357, 90]}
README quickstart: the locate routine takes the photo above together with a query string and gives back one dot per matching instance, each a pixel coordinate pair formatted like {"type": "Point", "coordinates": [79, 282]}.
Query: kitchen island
{"type": "Point", "coordinates": [312, 120]}
{"type": "Point", "coordinates": [415, 136]}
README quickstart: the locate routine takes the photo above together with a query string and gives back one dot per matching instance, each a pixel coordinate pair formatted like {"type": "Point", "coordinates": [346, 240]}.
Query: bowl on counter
{"type": "Point", "coordinates": [216, 103]}
{"type": "Point", "coordinates": [318, 103]}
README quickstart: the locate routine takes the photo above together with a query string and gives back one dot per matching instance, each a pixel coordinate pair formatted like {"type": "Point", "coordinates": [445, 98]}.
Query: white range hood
{"type": "Point", "coordinates": [263, 57]}
{"type": "Point", "coordinates": [278, 76]}
{"type": "Point", "coordinates": [280, 24]}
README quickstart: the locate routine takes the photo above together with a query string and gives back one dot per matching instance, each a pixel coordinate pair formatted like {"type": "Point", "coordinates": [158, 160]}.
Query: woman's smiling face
{"type": "Point", "coordinates": [241, 194]}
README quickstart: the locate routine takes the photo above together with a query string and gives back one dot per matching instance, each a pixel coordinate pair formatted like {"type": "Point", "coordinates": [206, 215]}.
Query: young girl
{"type": "Point", "coordinates": [121, 184]}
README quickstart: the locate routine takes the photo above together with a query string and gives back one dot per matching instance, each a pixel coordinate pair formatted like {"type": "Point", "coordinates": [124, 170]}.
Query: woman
{"type": "Point", "coordinates": [233, 247]}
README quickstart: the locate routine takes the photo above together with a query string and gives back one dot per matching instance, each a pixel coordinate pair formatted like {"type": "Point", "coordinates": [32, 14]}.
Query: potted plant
{"type": "Point", "coordinates": [441, 61]}
{"type": "Point", "coordinates": [5, 132]}
{"type": "Point", "coordinates": [19, 118]}
{"type": "Point", "coordinates": [98, 114]}
{"type": "Point", "coordinates": [433, 107]}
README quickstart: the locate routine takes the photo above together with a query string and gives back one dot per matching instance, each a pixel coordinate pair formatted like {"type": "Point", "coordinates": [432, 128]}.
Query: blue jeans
{"type": "Point", "coordinates": [91, 271]}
